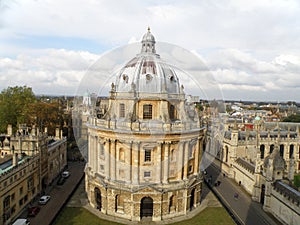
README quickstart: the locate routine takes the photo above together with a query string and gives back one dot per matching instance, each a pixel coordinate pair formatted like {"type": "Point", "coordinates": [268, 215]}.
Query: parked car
{"type": "Point", "coordinates": [44, 199]}
{"type": "Point", "coordinates": [33, 211]}
{"type": "Point", "coordinates": [61, 181]}
{"type": "Point", "coordinates": [22, 222]}
{"type": "Point", "coordinates": [65, 174]}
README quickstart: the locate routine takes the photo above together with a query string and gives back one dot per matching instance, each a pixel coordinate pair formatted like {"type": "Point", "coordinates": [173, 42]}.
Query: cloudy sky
{"type": "Point", "coordinates": [252, 48]}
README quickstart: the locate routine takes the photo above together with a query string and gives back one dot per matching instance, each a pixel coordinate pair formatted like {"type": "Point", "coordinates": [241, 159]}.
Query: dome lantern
{"type": "Point", "coordinates": [148, 43]}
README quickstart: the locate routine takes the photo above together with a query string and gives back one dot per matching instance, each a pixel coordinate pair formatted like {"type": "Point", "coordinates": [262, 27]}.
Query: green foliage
{"type": "Point", "coordinates": [15, 103]}
{"type": "Point", "coordinates": [297, 181]}
{"type": "Point", "coordinates": [292, 118]}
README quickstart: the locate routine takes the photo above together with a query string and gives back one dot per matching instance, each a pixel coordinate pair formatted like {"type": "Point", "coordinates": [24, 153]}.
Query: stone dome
{"type": "Point", "coordinates": [147, 72]}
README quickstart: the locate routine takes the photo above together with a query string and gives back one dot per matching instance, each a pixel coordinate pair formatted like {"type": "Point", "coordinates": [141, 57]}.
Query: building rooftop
{"type": "Point", "coordinates": [7, 165]}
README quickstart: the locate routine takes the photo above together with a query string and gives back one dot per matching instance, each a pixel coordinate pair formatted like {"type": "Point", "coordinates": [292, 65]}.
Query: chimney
{"type": "Point", "coordinates": [9, 130]}
{"type": "Point", "coordinates": [33, 131]}
{"type": "Point", "coordinates": [15, 159]}
{"type": "Point", "coordinates": [57, 133]}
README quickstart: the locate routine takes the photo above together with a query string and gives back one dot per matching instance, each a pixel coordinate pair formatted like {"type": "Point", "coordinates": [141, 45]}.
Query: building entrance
{"type": "Point", "coordinates": [146, 207]}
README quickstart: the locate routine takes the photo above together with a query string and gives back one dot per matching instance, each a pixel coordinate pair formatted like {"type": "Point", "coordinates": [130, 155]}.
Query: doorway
{"type": "Point", "coordinates": [146, 207]}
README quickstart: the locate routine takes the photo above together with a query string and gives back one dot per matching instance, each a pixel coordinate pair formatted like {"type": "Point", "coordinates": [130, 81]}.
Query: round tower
{"type": "Point", "coordinates": [144, 153]}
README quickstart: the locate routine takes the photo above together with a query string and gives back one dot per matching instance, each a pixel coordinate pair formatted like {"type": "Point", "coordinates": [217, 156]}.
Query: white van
{"type": "Point", "coordinates": [21, 222]}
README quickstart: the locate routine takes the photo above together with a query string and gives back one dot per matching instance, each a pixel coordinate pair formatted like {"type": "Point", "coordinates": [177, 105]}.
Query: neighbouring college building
{"type": "Point", "coordinates": [29, 161]}
{"type": "Point", "coordinates": [144, 152]}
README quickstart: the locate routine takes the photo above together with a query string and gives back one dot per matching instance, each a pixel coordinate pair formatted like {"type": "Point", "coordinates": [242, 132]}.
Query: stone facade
{"type": "Point", "coordinates": [144, 153]}
{"type": "Point", "coordinates": [260, 160]}
{"type": "Point", "coordinates": [29, 161]}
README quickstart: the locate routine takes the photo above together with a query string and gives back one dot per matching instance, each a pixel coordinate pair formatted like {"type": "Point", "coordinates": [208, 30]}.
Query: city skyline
{"type": "Point", "coordinates": [251, 49]}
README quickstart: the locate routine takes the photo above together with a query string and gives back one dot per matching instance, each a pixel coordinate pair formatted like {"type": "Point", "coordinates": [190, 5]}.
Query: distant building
{"type": "Point", "coordinates": [29, 161]}
{"type": "Point", "coordinates": [263, 159]}
{"type": "Point", "coordinates": [144, 152]}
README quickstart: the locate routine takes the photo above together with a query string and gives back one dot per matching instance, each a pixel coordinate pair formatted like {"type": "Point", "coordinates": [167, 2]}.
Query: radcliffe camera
{"type": "Point", "coordinates": [149, 113]}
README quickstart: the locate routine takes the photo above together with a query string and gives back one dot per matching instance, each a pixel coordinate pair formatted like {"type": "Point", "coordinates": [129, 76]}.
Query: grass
{"type": "Point", "coordinates": [211, 216]}
{"type": "Point", "coordinates": [297, 181]}
{"type": "Point", "coordinates": [81, 216]}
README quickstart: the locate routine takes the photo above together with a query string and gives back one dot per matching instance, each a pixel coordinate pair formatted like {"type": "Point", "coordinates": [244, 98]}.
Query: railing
{"type": "Point", "coordinates": [145, 126]}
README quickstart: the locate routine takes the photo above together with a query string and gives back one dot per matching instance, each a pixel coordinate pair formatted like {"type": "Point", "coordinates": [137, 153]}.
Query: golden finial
{"type": "Point", "coordinates": [148, 28]}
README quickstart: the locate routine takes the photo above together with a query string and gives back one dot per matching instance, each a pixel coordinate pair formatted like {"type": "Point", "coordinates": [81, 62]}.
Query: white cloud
{"type": "Point", "coordinates": [248, 45]}
{"type": "Point", "coordinates": [55, 71]}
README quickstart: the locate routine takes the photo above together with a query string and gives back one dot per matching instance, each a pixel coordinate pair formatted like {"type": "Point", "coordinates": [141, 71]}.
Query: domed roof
{"type": "Point", "coordinates": [148, 37]}
{"type": "Point", "coordinates": [147, 73]}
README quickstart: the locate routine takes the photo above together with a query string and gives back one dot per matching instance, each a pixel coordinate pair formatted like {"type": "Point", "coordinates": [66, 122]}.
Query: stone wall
{"type": "Point", "coordinates": [285, 210]}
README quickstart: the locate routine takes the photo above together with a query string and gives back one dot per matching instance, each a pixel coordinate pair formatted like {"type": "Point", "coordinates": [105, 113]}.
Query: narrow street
{"type": "Point", "coordinates": [59, 196]}
{"type": "Point", "coordinates": [243, 208]}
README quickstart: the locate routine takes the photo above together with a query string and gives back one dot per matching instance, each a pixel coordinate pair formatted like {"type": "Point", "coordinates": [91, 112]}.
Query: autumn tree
{"type": "Point", "coordinates": [15, 106]}
{"type": "Point", "coordinates": [47, 114]}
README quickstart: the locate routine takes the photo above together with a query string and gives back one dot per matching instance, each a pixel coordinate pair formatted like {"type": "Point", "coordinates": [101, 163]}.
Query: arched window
{"type": "Point", "coordinates": [291, 151]}
{"type": "Point", "coordinates": [173, 155]}
{"type": "Point", "coordinates": [172, 203]}
{"type": "Point", "coordinates": [98, 199]}
{"type": "Point", "coordinates": [121, 154]}
{"type": "Point", "coordinates": [281, 150]}
{"type": "Point", "coordinates": [271, 148]}
{"type": "Point", "coordinates": [262, 151]}
{"type": "Point", "coordinates": [119, 203]}
{"type": "Point", "coordinates": [172, 112]}
{"type": "Point", "coordinates": [147, 111]}
{"type": "Point", "coordinates": [226, 153]}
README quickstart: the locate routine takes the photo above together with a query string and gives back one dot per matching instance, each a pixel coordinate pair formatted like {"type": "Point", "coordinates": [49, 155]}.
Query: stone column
{"type": "Point", "coordinates": [89, 150]}
{"type": "Point", "coordinates": [186, 159]}
{"type": "Point", "coordinates": [166, 162]}
{"type": "Point", "coordinates": [106, 146]}
{"type": "Point", "coordinates": [158, 163]}
{"type": "Point", "coordinates": [96, 154]}
{"type": "Point", "coordinates": [129, 163]}
{"type": "Point", "coordinates": [135, 162]}
{"type": "Point", "coordinates": [196, 157]}
{"type": "Point", "coordinates": [180, 159]}
{"type": "Point", "coordinates": [113, 160]}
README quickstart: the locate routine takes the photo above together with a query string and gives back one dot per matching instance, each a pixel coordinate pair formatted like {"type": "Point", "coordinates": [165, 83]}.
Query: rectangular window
{"type": "Point", "coordinates": [101, 150]}
{"type": "Point", "coordinates": [147, 111]}
{"type": "Point", "coordinates": [190, 168]}
{"type": "Point", "coordinates": [122, 110]}
{"type": "Point", "coordinates": [147, 174]}
{"type": "Point", "coordinates": [21, 190]}
{"type": "Point", "coordinates": [121, 174]}
{"type": "Point", "coordinates": [147, 156]}
{"type": "Point", "coordinates": [102, 167]}
{"type": "Point", "coordinates": [13, 197]}
{"type": "Point", "coordinates": [191, 152]}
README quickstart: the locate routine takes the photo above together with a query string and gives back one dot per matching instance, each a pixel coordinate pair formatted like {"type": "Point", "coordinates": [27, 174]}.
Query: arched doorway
{"type": "Point", "coordinates": [98, 198]}
{"type": "Point", "coordinates": [146, 209]}
{"type": "Point", "coordinates": [262, 194]}
{"type": "Point", "coordinates": [192, 199]}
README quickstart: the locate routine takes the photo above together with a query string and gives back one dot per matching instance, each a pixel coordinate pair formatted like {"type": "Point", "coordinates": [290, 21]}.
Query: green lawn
{"type": "Point", "coordinates": [81, 216]}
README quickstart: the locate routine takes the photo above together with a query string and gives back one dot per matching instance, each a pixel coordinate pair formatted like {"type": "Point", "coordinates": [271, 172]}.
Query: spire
{"type": "Point", "coordinates": [148, 43]}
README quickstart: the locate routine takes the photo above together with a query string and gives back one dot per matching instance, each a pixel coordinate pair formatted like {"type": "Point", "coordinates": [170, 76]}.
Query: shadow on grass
{"type": "Point", "coordinates": [81, 216]}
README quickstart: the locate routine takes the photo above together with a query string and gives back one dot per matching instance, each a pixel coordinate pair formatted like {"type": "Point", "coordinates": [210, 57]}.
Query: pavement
{"type": "Point", "coordinates": [59, 196]}
{"type": "Point", "coordinates": [243, 208]}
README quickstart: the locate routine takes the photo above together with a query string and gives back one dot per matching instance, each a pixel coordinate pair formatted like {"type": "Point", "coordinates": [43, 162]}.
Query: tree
{"type": "Point", "coordinates": [15, 103]}
{"type": "Point", "coordinates": [48, 115]}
